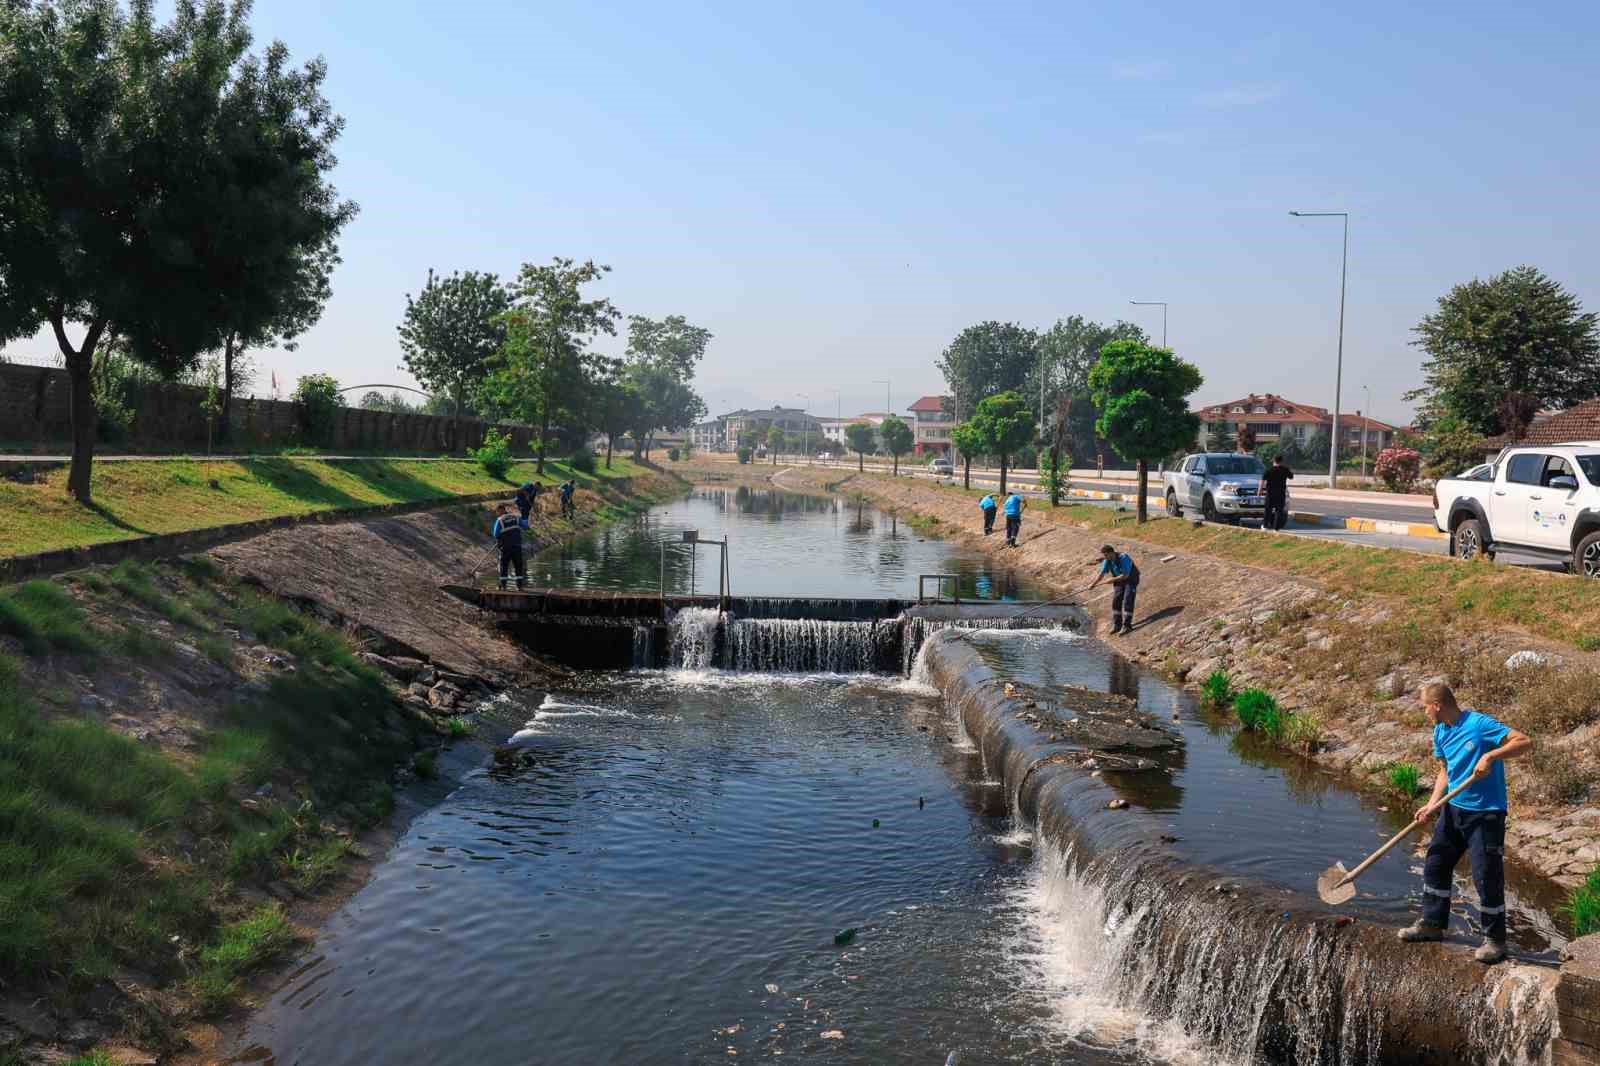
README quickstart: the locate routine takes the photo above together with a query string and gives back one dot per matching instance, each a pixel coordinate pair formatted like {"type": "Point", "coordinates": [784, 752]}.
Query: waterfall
{"type": "Point", "coordinates": [644, 646]}
{"type": "Point", "coordinates": [918, 630]}
{"type": "Point", "coordinates": [694, 638]}
{"type": "Point", "coordinates": [702, 639]}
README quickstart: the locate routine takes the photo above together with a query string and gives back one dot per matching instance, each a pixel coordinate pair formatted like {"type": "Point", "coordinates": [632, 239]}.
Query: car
{"type": "Point", "coordinates": [941, 468]}
{"type": "Point", "coordinates": [1222, 486]}
{"type": "Point", "coordinates": [1537, 500]}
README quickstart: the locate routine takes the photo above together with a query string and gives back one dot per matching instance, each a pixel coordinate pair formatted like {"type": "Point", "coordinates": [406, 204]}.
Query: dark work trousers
{"type": "Point", "coordinates": [1481, 835]}
{"type": "Point", "coordinates": [1122, 597]}
{"type": "Point", "coordinates": [988, 520]}
{"type": "Point", "coordinates": [1277, 515]}
{"type": "Point", "coordinates": [512, 557]}
{"type": "Point", "coordinates": [1013, 527]}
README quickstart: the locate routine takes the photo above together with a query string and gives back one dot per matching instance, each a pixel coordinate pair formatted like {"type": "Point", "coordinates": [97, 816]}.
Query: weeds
{"type": "Point", "coordinates": [43, 615]}
{"type": "Point", "coordinates": [218, 649]}
{"type": "Point", "coordinates": [313, 866]}
{"type": "Point", "coordinates": [137, 642]}
{"type": "Point", "coordinates": [1259, 712]}
{"type": "Point", "coordinates": [1217, 690]}
{"type": "Point", "coordinates": [240, 947]}
{"type": "Point", "coordinates": [456, 727]}
{"type": "Point", "coordinates": [92, 1058]}
{"type": "Point", "coordinates": [1556, 776]}
{"type": "Point", "coordinates": [1583, 905]}
{"type": "Point", "coordinates": [135, 581]}
{"type": "Point", "coordinates": [1588, 643]}
{"type": "Point", "coordinates": [1404, 778]}
{"type": "Point", "coordinates": [425, 764]}
{"type": "Point", "coordinates": [1303, 733]}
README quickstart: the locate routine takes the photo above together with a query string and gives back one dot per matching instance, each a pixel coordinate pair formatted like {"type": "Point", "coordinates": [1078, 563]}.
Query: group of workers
{"type": "Point", "coordinates": [507, 529]}
{"type": "Point", "coordinates": [1013, 508]}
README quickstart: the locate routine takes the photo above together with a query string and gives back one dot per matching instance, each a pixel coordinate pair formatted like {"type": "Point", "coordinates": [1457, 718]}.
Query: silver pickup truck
{"type": "Point", "coordinates": [1222, 486]}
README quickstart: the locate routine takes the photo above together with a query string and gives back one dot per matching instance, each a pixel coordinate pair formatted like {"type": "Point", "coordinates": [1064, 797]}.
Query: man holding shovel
{"type": "Point", "coordinates": [1471, 748]}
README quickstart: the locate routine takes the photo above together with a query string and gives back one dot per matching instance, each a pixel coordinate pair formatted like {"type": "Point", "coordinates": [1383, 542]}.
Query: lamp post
{"type": "Point", "coordinates": [1338, 372]}
{"type": "Point", "coordinates": [1156, 303]}
{"type": "Point", "coordinates": [805, 424]}
{"type": "Point", "coordinates": [1362, 420]}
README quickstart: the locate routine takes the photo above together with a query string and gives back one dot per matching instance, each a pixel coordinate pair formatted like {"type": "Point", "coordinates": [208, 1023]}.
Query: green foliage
{"type": "Point", "coordinates": [775, 441]}
{"type": "Point", "coordinates": [495, 454]}
{"type": "Point", "coordinates": [425, 763]}
{"type": "Point", "coordinates": [672, 455]}
{"type": "Point", "coordinates": [1302, 732]}
{"type": "Point", "coordinates": [987, 359]}
{"type": "Point", "coordinates": [1452, 447]}
{"type": "Point", "coordinates": [451, 330]}
{"type": "Point", "coordinates": [44, 616]}
{"type": "Point", "coordinates": [745, 453]}
{"type": "Point", "coordinates": [1403, 777]}
{"type": "Point", "coordinates": [1001, 425]}
{"type": "Point", "coordinates": [582, 461]}
{"type": "Point", "coordinates": [240, 947]}
{"type": "Point", "coordinates": [135, 581]}
{"type": "Point", "coordinates": [861, 438]}
{"type": "Point", "coordinates": [1143, 393]}
{"type": "Point", "coordinates": [311, 866]}
{"type": "Point", "coordinates": [1259, 712]}
{"type": "Point", "coordinates": [660, 363]}
{"type": "Point", "coordinates": [456, 727]}
{"type": "Point", "coordinates": [317, 404]}
{"type": "Point", "coordinates": [1520, 333]}
{"type": "Point", "coordinates": [1217, 689]}
{"type": "Point", "coordinates": [1219, 438]}
{"type": "Point", "coordinates": [897, 438]}
{"type": "Point", "coordinates": [1583, 905]}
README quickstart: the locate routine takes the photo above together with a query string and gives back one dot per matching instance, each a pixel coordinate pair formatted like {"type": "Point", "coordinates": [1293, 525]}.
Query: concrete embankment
{"type": "Point", "coordinates": [1250, 968]}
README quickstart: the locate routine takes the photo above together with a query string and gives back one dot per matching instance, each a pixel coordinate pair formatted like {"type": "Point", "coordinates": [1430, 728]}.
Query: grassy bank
{"type": "Point", "coordinates": [135, 499]}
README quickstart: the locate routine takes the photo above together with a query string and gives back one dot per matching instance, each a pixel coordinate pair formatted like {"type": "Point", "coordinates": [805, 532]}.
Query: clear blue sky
{"type": "Point", "coordinates": [836, 192]}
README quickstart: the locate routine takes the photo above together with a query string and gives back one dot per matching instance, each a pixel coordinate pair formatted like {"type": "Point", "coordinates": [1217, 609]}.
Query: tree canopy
{"type": "Point", "coordinates": [158, 182]}
{"type": "Point", "coordinates": [989, 358]}
{"type": "Point", "coordinates": [1002, 424]}
{"type": "Point", "coordinates": [661, 361]}
{"type": "Point", "coordinates": [1517, 332]}
{"type": "Point", "coordinates": [1142, 393]}
{"type": "Point", "coordinates": [451, 330]}
{"type": "Point", "coordinates": [897, 438]}
{"type": "Point", "coordinates": [861, 438]}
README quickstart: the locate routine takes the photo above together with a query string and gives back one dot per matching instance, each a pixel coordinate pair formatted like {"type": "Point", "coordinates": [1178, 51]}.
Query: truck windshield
{"type": "Point", "coordinates": [1238, 464]}
{"type": "Point", "coordinates": [1591, 467]}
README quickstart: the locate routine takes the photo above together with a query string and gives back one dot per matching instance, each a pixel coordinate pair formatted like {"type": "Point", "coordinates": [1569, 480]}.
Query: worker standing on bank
{"type": "Point", "coordinates": [1276, 480]}
{"type": "Point", "coordinates": [568, 487]}
{"type": "Point", "coordinates": [507, 532]}
{"type": "Point", "coordinates": [988, 506]}
{"type": "Point", "coordinates": [525, 499]}
{"type": "Point", "coordinates": [1014, 506]}
{"type": "Point", "coordinates": [1124, 587]}
{"type": "Point", "coordinates": [1470, 746]}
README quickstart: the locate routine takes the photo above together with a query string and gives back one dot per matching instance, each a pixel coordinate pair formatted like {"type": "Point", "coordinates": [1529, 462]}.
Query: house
{"type": "Point", "coordinates": [1580, 422]}
{"type": "Point", "coordinates": [833, 429]}
{"type": "Point", "coordinates": [710, 436]}
{"type": "Point", "coordinates": [789, 419]}
{"type": "Point", "coordinates": [932, 419]}
{"type": "Point", "coordinates": [1274, 418]}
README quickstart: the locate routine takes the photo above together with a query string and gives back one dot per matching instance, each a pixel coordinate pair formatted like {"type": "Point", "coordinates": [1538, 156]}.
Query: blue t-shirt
{"type": "Point", "coordinates": [1461, 746]}
{"type": "Point", "coordinates": [1013, 505]}
{"type": "Point", "coordinates": [987, 503]}
{"type": "Point", "coordinates": [1121, 566]}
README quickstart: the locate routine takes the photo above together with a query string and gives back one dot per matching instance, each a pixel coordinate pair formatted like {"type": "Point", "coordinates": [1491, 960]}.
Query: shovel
{"type": "Point", "coordinates": [1338, 886]}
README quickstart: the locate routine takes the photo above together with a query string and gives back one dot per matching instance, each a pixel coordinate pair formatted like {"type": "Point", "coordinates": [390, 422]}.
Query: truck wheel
{"type": "Point", "coordinates": [1172, 505]}
{"type": "Point", "coordinates": [1208, 508]}
{"type": "Point", "coordinates": [1467, 542]}
{"type": "Point", "coordinates": [1586, 556]}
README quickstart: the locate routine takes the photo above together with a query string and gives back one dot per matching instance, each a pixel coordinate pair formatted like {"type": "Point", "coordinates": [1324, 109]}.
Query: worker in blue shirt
{"type": "Point", "coordinates": [507, 532]}
{"type": "Point", "coordinates": [568, 487]}
{"type": "Point", "coordinates": [988, 507]}
{"type": "Point", "coordinates": [527, 496]}
{"type": "Point", "coordinates": [1124, 584]}
{"type": "Point", "coordinates": [1470, 746]}
{"type": "Point", "coordinates": [1013, 510]}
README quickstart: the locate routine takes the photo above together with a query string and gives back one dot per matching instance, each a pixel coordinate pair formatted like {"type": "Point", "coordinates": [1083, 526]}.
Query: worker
{"type": "Point", "coordinates": [507, 532]}
{"type": "Point", "coordinates": [1470, 746]}
{"type": "Point", "coordinates": [1124, 587]}
{"type": "Point", "coordinates": [1276, 480]}
{"type": "Point", "coordinates": [525, 497]}
{"type": "Point", "coordinates": [568, 487]}
{"type": "Point", "coordinates": [1013, 508]}
{"type": "Point", "coordinates": [988, 506]}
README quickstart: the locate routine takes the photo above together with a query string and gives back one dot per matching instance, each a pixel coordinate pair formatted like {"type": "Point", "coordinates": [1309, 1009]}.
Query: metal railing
{"type": "Point", "coordinates": [938, 588]}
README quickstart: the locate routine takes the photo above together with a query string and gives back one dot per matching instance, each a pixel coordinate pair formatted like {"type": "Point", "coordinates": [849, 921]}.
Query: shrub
{"type": "Point", "coordinates": [1217, 689]}
{"type": "Point", "coordinates": [457, 726]}
{"type": "Point", "coordinates": [1404, 778]}
{"type": "Point", "coordinates": [582, 461]}
{"type": "Point", "coordinates": [745, 454]}
{"type": "Point", "coordinates": [317, 403]}
{"type": "Point", "coordinates": [1398, 468]}
{"type": "Point", "coordinates": [1583, 905]}
{"type": "Point", "coordinates": [1259, 712]}
{"type": "Point", "coordinates": [495, 455]}
{"type": "Point", "coordinates": [424, 764]}
{"type": "Point", "coordinates": [672, 455]}
{"type": "Point", "coordinates": [1303, 732]}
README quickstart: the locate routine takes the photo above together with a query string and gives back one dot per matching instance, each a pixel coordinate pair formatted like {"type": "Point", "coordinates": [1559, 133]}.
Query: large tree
{"type": "Point", "coordinates": [988, 359]}
{"type": "Point", "coordinates": [861, 438]}
{"type": "Point", "coordinates": [661, 361]}
{"type": "Point", "coordinates": [451, 331]}
{"type": "Point", "coordinates": [158, 183]}
{"type": "Point", "coordinates": [1143, 396]}
{"type": "Point", "coordinates": [1518, 332]}
{"type": "Point", "coordinates": [1002, 425]}
{"type": "Point", "coordinates": [672, 344]}
{"type": "Point", "coordinates": [897, 439]}
{"type": "Point", "coordinates": [1066, 352]}
{"type": "Point", "coordinates": [544, 369]}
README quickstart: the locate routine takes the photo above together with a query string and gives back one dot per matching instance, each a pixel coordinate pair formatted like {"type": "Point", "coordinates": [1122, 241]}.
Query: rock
{"type": "Point", "coordinates": [1322, 644]}
{"type": "Point", "coordinates": [844, 936]}
{"type": "Point", "coordinates": [1587, 816]}
{"type": "Point", "coordinates": [1392, 685]}
{"type": "Point", "coordinates": [833, 1034]}
{"type": "Point", "coordinates": [1526, 658]}
{"type": "Point", "coordinates": [21, 1014]}
{"type": "Point", "coordinates": [444, 695]}
{"type": "Point", "coordinates": [1533, 829]}
{"type": "Point", "coordinates": [1116, 804]}
{"type": "Point", "coordinates": [1204, 668]}
{"type": "Point", "coordinates": [418, 689]}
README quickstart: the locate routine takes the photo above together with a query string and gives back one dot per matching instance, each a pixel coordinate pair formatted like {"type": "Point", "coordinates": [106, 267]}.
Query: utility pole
{"type": "Point", "coordinates": [1338, 372]}
{"type": "Point", "coordinates": [1362, 420]}
{"type": "Point", "coordinates": [805, 424]}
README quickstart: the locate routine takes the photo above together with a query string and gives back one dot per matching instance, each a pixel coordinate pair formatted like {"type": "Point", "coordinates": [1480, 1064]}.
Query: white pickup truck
{"type": "Point", "coordinates": [1541, 500]}
{"type": "Point", "coordinates": [1222, 486]}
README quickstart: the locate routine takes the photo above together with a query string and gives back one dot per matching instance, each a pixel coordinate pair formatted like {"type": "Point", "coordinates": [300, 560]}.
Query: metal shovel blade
{"type": "Point", "coordinates": [1330, 889]}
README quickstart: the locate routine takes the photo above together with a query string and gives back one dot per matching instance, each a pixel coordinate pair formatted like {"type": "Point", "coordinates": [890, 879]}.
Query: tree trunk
{"type": "Point", "coordinates": [79, 371]}
{"type": "Point", "coordinates": [861, 462]}
{"type": "Point", "coordinates": [1144, 482]}
{"type": "Point", "coordinates": [1055, 476]}
{"type": "Point", "coordinates": [460, 388]}
{"type": "Point", "coordinates": [610, 442]}
{"type": "Point", "coordinates": [230, 350]}
{"type": "Point", "coordinates": [1003, 459]}
{"type": "Point", "coordinates": [966, 471]}
{"type": "Point", "coordinates": [544, 427]}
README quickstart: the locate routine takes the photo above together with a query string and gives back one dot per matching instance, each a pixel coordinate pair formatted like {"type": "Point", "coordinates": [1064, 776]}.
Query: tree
{"type": "Point", "coordinates": [1143, 396]}
{"type": "Point", "coordinates": [967, 441]}
{"type": "Point", "coordinates": [1218, 437]}
{"type": "Point", "coordinates": [544, 369]}
{"type": "Point", "coordinates": [987, 359]}
{"type": "Point", "coordinates": [671, 343]}
{"type": "Point", "coordinates": [1518, 332]}
{"type": "Point", "coordinates": [1451, 447]}
{"type": "Point", "coordinates": [1316, 449]}
{"type": "Point", "coordinates": [1066, 351]}
{"type": "Point", "coordinates": [897, 439]}
{"type": "Point", "coordinates": [317, 402]}
{"type": "Point", "coordinates": [157, 182]}
{"type": "Point", "coordinates": [451, 331]}
{"type": "Point", "coordinates": [775, 439]}
{"type": "Point", "coordinates": [619, 401]}
{"type": "Point", "coordinates": [664, 403]}
{"type": "Point", "coordinates": [1002, 424]}
{"type": "Point", "coordinates": [750, 439]}
{"type": "Point", "coordinates": [861, 438]}
{"type": "Point", "coordinates": [1247, 438]}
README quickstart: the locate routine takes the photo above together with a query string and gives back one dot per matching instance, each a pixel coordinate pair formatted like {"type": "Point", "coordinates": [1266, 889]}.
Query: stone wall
{"type": "Point", "coordinates": [35, 410]}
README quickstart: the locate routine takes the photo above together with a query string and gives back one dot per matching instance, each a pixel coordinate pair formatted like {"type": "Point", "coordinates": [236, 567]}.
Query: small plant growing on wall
{"type": "Point", "coordinates": [1404, 778]}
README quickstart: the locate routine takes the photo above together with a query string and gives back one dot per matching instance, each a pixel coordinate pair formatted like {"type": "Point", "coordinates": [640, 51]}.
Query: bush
{"type": "Point", "coordinates": [1217, 689]}
{"type": "Point", "coordinates": [672, 455]}
{"type": "Point", "coordinates": [317, 401]}
{"type": "Point", "coordinates": [1452, 448]}
{"type": "Point", "coordinates": [744, 454]}
{"type": "Point", "coordinates": [582, 461]}
{"type": "Point", "coordinates": [1302, 732]}
{"type": "Point", "coordinates": [1259, 712]}
{"type": "Point", "coordinates": [1404, 778]}
{"type": "Point", "coordinates": [1398, 468]}
{"type": "Point", "coordinates": [1583, 905]}
{"type": "Point", "coordinates": [495, 455]}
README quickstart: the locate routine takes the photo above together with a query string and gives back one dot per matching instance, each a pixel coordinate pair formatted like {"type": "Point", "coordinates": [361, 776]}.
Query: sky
{"type": "Point", "coordinates": [836, 190]}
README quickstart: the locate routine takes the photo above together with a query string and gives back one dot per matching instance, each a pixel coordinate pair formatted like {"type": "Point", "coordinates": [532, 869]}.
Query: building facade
{"type": "Point", "coordinates": [931, 423]}
{"type": "Point", "coordinates": [709, 436]}
{"type": "Point", "coordinates": [1274, 418]}
{"type": "Point", "coordinates": [788, 419]}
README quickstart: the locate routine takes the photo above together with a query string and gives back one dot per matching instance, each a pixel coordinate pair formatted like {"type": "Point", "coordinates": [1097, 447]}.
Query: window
{"type": "Point", "coordinates": [1524, 468]}
{"type": "Point", "coordinates": [1271, 429]}
{"type": "Point", "coordinates": [1192, 465]}
{"type": "Point", "coordinates": [1556, 467]}
{"type": "Point", "coordinates": [1300, 431]}
{"type": "Point", "coordinates": [1591, 467]}
{"type": "Point", "coordinates": [1238, 410]}
{"type": "Point", "coordinates": [1258, 409]}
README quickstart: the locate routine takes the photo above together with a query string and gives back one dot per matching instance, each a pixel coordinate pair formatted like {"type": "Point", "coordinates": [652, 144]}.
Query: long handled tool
{"type": "Point", "coordinates": [1070, 600]}
{"type": "Point", "coordinates": [1337, 886]}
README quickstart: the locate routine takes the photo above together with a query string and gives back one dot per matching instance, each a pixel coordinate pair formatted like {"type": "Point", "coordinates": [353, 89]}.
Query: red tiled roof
{"type": "Point", "coordinates": [1581, 422]}
{"type": "Point", "coordinates": [930, 404]}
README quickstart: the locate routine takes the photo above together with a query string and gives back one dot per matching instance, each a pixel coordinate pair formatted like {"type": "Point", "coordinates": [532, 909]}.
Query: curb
{"type": "Point", "coordinates": [1422, 530]}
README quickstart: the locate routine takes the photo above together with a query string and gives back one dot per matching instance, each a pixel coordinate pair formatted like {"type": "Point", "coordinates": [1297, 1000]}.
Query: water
{"type": "Point", "coordinates": [670, 846]}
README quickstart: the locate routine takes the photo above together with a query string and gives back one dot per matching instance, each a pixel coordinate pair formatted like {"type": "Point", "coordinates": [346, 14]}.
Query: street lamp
{"type": "Point", "coordinates": [1363, 424]}
{"type": "Point", "coordinates": [1156, 303]}
{"type": "Point", "coordinates": [805, 424]}
{"type": "Point", "coordinates": [1338, 373]}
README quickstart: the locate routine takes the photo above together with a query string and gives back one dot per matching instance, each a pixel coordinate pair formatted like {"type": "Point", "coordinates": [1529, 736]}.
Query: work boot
{"type": "Point", "coordinates": [1420, 931]}
{"type": "Point", "coordinates": [1127, 627]}
{"type": "Point", "coordinates": [1490, 951]}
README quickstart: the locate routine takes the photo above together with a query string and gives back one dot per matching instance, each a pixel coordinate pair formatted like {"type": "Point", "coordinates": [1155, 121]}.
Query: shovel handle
{"type": "Point", "coordinates": [1381, 852]}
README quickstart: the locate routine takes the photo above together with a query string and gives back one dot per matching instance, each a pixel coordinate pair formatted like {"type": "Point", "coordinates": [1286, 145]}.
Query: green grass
{"type": "Point", "coordinates": [456, 727]}
{"type": "Point", "coordinates": [313, 866]}
{"type": "Point", "coordinates": [1217, 690]}
{"type": "Point", "coordinates": [1259, 712]}
{"type": "Point", "coordinates": [135, 499]}
{"type": "Point", "coordinates": [1302, 732]}
{"type": "Point", "coordinates": [1403, 777]}
{"type": "Point", "coordinates": [1588, 643]}
{"type": "Point", "coordinates": [137, 582]}
{"type": "Point", "coordinates": [92, 1058]}
{"type": "Point", "coordinates": [218, 649]}
{"type": "Point", "coordinates": [240, 947]}
{"type": "Point", "coordinates": [1583, 905]}
{"type": "Point", "coordinates": [425, 764]}
{"type": "Point", "coordinates": [138, 643]}
{"type": "Point", "coordinates": [45, 617]}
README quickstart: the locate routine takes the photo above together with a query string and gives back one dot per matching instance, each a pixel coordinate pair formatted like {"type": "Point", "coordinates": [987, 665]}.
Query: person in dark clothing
{"type": "Point", "coordinates": [1125, 587]}
{"type": "Point", "coordinates": [567, 489]}
{"type": "Point", "coordinates": [1014, 505]}
{"type": "Point", "coordinates": [507, 532]}
{"type": "Point", "coordinates": [1276, 480]}
{"type": "Point", "coordinates": [525, 498]}
{"type": "Point", "coordinates": [988, 507]}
